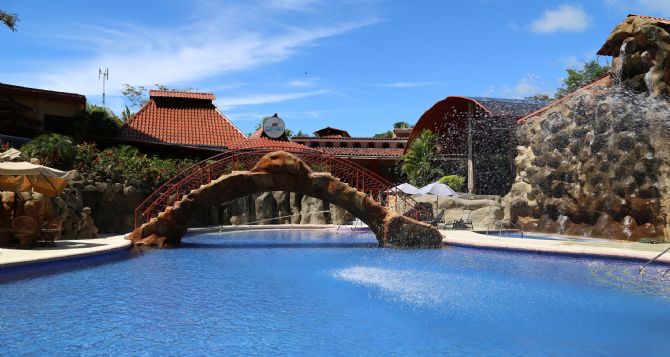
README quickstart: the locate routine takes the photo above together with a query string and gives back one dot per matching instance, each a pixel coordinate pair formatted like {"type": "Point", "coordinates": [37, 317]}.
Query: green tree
{"type": "Point", "coordinates": [401, 125]}
{"type": "Point", "coordinates": [578, 78]}
{"type": "Point", "coordinates": [50, 149]}
{"type": "Point", "coordinates": [97, 121]}
{"type": "Point", "coordinates": [540, 97]}
{"type": "Point", "coordinates": [9, 19]}
{"type": "Point", "coordinates": [456, 182]}
{"type": "Point", "coordinates": [386, 135]}
{"type": "Point", "coordinates": [418, 164]}
{"type": "Point", "coordinates": [136, 95]}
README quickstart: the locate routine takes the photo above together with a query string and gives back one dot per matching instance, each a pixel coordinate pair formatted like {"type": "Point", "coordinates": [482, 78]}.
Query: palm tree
{"type": "Point", "coordinates": [50, 149]}
{"type": "Point", "coordinates": [417, 163]}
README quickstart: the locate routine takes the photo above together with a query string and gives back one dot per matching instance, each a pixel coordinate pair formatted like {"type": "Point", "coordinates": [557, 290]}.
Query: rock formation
{"type": "Point", "coordinates": [595, 164]}
{"type": "Point", "coordinates": [281, 171]}
{"type": "Point", "coordinates": [640, 47]}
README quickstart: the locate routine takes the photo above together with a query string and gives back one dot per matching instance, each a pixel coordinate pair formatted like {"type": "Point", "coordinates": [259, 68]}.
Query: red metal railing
{"type": "Point", "coordinates": [210, 169]}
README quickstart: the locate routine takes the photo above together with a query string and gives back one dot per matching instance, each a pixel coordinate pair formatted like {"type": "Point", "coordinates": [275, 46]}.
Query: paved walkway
{"type": "Point", "coordinates": [619, 249]}
{"type": "Point", "coordinates": [64, 249]}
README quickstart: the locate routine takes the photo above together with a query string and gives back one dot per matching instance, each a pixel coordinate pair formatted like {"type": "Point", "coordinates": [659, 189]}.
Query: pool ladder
{"type": "Point", "coordinates": [653, 260]}
{"type": "Point", "coordinates": [501, 223]}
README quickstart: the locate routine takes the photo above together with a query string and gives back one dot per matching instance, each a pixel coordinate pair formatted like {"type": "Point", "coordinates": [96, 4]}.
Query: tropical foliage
{"type": "Point", "coordinates": [456, 182]}
{"type": "Point", "coordinates": [50, 149]}
{"type": "Point", "coordinates": [419, 163]}
{"type": "Point", "coordinates": [9, 19]}
{"type": "Point", "coordinates": [578, 78]}
{"type": "Point", "coordinates": [386, 135]}
{"type": "Point", "coordinates": [401, 125]}
{"type": "Point", "coordinates": [124, 162]}
{"type": "Point", "coordinates": [97, 121]}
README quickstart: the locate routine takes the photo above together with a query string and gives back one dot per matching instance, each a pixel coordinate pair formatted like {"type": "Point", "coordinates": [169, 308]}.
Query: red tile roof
{"type": "Point", "coordinates": [194, 121]}
{"type": "Point", "coordinates": [255, 142]}
{"type": "Point", "coordinates": [366, 152]}
{"type": "Point", "coordinates": [156, 93]}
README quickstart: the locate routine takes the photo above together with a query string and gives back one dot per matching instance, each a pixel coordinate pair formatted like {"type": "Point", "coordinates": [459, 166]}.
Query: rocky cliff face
{"type": "Point", "coordinates": [595, 164]}
{"type": "Point", "coordinates": [640, 47]}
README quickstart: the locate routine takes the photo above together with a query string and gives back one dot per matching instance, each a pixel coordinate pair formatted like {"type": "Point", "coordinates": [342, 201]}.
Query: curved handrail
{"type": "Point", "coordinates": [212, 168]}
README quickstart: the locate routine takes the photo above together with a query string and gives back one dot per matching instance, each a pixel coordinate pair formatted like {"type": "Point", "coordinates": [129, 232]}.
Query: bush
{"type": "Point", "coordinates": [456, 182]}
{"type": "Point", "coordinates": [97, 121]}
{"type": "Point", "coordinates": [122, 163]}
{"type": "Point", "coordinates": [51, 149]}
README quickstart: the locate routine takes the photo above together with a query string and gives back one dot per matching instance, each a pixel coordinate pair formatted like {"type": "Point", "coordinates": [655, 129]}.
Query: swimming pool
{"type": "Point", "coordinates": [321, 293]}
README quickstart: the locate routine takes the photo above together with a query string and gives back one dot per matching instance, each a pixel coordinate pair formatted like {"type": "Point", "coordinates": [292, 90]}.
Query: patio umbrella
{"type": "Point", "coordinates": [437, 189]}
{"type": "Point", "coordinates": [405, 188]}
{"type": "Point", "coordinates": [24, 176]}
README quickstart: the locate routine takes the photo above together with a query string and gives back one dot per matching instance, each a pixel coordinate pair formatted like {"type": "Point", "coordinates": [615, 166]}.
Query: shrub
{"type": "Point", "coordinates": [454, 181]}
{"type": "Point", "coordinates": [51, 149]}
{"type": "Point", "coordinates": [97, 121]}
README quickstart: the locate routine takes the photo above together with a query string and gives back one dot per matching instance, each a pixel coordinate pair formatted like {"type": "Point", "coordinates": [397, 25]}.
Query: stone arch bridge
{"type": "Point", "coordinates": [227, 177]}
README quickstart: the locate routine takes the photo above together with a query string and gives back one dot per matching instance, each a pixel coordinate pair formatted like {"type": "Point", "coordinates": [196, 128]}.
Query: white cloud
{"type": "Point", "coordinates": [230, 102]}
{"type": "Point", "coordinates": [299, 83]}
{"type": "Point", "coordinates": [202, 48]}
{"type": "Point", "coordinates": [410, 84]}
{"type": "Point", "coordinates": [566, 18]}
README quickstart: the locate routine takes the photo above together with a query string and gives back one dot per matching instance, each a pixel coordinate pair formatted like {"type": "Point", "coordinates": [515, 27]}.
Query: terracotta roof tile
{"type": "Point", "coordinates": [367, 152]}
{"type": "Point", "coordinates": [262, 142]}
{"type": "Point", "coordinates": [191, 122]}
{"type": "Point", "coordinates": [156, 93]}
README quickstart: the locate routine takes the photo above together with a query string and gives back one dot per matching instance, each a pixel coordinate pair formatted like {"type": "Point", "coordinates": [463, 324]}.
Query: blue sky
{"type": "Point", "coordinates": [359, 65]}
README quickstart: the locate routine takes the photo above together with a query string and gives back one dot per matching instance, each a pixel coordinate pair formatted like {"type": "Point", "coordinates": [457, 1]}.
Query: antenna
{"type": "Point", "coordinates": [105, 77]}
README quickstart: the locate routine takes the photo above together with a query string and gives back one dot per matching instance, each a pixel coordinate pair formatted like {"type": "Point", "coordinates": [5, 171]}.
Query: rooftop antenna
{"type": "Point", "coordinates": [105, 77]}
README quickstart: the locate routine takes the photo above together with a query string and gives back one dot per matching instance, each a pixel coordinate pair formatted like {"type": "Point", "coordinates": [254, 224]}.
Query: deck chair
{"type": "Point", "coordinates": [464, 222]}
{"type": "Point", "coordinates": [437, 219]}
{"type": "Point", "coordinates": [25, 230]}
{"type": "Point", "coordinates": [51, 230]}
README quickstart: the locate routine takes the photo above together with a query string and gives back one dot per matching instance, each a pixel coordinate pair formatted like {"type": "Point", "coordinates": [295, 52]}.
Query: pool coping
{"type": "Point", "coordinates": [69, 250]}
{"type": "Point", "coordinates": [562, 247]}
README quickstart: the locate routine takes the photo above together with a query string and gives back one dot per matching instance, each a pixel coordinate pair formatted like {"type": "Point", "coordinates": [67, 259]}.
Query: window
{"type": "Point", "coordinates": [400, 146]}
{"type": "Point", "coordinates": [386, 145]}
{"type": "Point", "coordinates": [371, 145]}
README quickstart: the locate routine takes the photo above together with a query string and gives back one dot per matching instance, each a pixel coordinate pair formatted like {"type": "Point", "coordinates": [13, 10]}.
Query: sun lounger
{"type": "Point", "coordinates": [25, 230]}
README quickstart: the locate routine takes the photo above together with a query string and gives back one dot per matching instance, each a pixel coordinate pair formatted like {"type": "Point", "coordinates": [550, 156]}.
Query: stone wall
{"type": "Point", "coordinates": [595, 164]}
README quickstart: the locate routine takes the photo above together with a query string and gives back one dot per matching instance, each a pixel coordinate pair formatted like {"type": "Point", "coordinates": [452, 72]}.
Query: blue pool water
{"type": "Point", "coordinates": [308, 293]}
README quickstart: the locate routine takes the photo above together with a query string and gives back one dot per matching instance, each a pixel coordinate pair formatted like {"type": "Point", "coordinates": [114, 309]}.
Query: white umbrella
{"type": "Point", "coordinates": [405, 188]}
{"type": "Point", "coordinates": [438, 189]}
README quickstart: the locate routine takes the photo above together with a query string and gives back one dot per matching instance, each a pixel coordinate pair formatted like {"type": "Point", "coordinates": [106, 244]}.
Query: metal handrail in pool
{"type": "Point", "coordinates": [654, 259]}
{"type": "Point", "coordinates": [501, 222]}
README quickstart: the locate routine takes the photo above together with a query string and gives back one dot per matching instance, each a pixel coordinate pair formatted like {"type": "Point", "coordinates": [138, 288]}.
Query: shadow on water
{"type": "Point", "coordinates": [25, 272]}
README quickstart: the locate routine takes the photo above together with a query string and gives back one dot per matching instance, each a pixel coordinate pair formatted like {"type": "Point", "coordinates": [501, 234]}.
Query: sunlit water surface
{"type": "Point", "coordinates": [316, 293]}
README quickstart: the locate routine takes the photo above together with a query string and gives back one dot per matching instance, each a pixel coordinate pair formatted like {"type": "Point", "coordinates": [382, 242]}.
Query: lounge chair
{"type": "Point", "coordinates": [51, 230]}
{"type": "Point", "coordinates": [437, 219]}
{"type": "Point", "coordinates": [464, 222]}
{"type": "Point", "coordinates": [25, 230]}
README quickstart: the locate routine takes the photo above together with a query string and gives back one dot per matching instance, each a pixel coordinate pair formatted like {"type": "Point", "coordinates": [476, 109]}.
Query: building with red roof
{"type": "Point", "coordinates": [183, 119]}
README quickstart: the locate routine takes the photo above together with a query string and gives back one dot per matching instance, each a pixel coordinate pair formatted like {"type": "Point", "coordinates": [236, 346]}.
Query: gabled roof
{"type": "Point", "coordinates": [12, 89]}
{"type": "Point", "coordinates": [183, 118]}
{"type": "Point", "coordinates": [159, 93]}
{"type": "Point", "coordinates": [332, 132]}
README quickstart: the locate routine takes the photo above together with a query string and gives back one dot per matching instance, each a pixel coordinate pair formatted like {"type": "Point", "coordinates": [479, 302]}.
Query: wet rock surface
{"type": "Point", "coordinates": [595, 164]}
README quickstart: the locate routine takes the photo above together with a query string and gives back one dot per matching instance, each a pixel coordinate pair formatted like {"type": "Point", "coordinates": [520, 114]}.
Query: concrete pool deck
{"type": "Point", "coordinates": [611, 249]}
{"type": "Point", "coordinates": [64, 250]}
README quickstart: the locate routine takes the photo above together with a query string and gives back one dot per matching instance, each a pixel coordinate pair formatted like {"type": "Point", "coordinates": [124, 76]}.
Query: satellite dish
{"type": "Point", "coordinates": [273, 126]}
